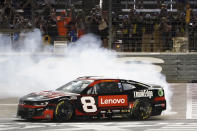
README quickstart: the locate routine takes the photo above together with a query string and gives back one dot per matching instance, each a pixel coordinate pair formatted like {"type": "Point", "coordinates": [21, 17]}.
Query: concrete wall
{"type": "Point", "coordinates": [178, 67]}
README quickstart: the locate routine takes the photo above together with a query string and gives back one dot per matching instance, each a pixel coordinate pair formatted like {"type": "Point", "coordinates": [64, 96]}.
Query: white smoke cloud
{"type": "Point", "coordinates": [24, 73]}
{"type": "Point", "coordinates": [5, 44]}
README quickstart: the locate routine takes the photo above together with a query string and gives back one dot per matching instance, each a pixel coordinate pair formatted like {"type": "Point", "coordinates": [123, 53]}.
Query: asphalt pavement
{"type": "Point", "coordinates": [174, 120]}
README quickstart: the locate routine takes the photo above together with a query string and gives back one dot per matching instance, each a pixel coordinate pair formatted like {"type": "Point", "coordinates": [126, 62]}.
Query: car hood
{"type": "Point", "coordinates": [46, 95]}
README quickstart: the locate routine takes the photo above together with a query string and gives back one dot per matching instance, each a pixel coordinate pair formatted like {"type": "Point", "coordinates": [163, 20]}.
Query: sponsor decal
{"type": "Point", "coordinates": [115, 111]}
{"type": "Point", "coordinates": [143, 93]}
{"type": "Point", "coordinates": [124, 111]}
{"type": "Point", "coordinates": [160, 92]}
{"type": "Point", "coordinates": [113, 100]}
{"type": "Point", "coordinates": [50, 94]}
{"type": "Point", "coordinates": [73, 97]}
{"type": "Point", "coordinates": [103, 111]}
{"type": "Point", "coordinates": [162, 105]}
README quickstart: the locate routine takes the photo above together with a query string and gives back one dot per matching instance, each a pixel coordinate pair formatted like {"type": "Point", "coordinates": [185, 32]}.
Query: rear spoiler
{"type": "Point", "coordinates": [156, 86]}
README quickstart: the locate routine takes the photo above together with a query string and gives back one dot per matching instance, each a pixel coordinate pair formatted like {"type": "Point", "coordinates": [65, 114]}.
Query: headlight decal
{"type": "Point", "coordinates": [45, 103]}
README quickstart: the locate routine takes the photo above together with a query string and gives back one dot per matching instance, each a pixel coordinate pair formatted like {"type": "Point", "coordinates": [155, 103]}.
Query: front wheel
{"type": "Point", "coordinates": [63, 111]}
{"type": "Point", "coordinates": [142, 109]}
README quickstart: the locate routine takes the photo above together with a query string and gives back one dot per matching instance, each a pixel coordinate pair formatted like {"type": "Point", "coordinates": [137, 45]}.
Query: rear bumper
{"type": "Point", "coordinates": [158, 106]}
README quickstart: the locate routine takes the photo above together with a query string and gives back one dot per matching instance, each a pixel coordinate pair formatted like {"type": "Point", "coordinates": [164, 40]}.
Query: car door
{"type": "Point", "coordinates": [110, 95]}
{"type": "Point", "coordinates": [104, 94]}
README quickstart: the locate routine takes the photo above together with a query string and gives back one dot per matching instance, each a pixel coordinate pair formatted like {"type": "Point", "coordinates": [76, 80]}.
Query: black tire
{"type": "Point", "coordinates": [142, 109]}
{"type": "Point", "coordinates": [63, 111]}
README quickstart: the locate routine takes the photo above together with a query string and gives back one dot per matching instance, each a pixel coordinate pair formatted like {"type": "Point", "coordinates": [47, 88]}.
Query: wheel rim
{"type": "Point", "coordinates": [145, 110]}
{"type": "Point", "coordinates": [64, 112]}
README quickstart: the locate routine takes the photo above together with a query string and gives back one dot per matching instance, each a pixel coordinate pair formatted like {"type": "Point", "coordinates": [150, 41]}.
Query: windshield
{"type": "Point", "coordinates": [76, 86]}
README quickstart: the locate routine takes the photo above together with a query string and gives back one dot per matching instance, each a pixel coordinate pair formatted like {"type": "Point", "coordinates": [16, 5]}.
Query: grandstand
{"type": "Point", "coordinates": [123, 25]}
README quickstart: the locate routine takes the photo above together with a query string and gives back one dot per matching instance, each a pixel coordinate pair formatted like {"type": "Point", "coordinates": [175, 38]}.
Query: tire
{"type": "Point", "coordinates": [142, 109]}
{"type": "Point", "coordinates": [63, 111]}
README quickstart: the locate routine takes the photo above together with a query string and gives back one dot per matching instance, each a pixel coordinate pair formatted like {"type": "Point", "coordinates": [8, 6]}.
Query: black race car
{"type": "Point", "coordinates": [94, 97]}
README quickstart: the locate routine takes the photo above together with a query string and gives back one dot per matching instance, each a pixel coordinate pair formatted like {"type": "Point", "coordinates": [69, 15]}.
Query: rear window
{"type": "Point", "coordinates": [127, 86]}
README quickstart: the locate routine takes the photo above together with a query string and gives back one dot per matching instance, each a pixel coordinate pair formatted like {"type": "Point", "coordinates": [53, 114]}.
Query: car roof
{"type": "Point", "coordinates": [106, 78]}
{"type": "Point", "coordinates": [97, 78]}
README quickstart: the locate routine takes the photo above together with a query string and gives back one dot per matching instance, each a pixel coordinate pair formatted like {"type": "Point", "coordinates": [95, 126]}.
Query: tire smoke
{"type": "Point", "coordinates": [27, 70]}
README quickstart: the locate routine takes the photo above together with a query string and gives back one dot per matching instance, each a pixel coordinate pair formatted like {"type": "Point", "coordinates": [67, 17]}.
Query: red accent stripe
{"type": "Point", "coordinates": [30, 106]}
{"type": "Point", "coordinates": [38, 117]}
{"type": "Point", "coordinates": [44, 116]}
{"type": "Point", "coordinates": [118, 107]}
{"type": "Point", "coordinates": [51, 104]}
{"type": "Point", "coordinates": [99, 81]}
{"type": "Point", "coordinates": [131, 104]}
{"type": "Point", "coordinates": [159, 99]}
{"type": "Point", "coordinates": [78, 113]}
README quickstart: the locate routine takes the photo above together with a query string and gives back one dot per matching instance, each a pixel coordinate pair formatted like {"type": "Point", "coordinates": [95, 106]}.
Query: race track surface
{"type": "Point", "coordinates": [182, 117]}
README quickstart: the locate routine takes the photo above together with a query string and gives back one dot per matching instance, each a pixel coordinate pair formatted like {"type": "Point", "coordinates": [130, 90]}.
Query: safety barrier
{"type": "Point", "coordinates": [177, 67]}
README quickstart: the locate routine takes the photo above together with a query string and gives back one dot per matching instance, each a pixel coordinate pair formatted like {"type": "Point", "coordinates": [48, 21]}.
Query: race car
{"type": "Point", "coordinates": [94, 97]}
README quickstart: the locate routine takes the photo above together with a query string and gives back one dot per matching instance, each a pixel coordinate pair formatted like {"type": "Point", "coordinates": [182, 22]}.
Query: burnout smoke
{"type": "Point", "coordinates": [22, 73]}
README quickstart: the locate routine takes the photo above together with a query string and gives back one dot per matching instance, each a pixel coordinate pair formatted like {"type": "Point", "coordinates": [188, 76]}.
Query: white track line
{"type": "Point", "coordinates": [8, 104]}
{"type": "Point", "coordinates": [189, 102]}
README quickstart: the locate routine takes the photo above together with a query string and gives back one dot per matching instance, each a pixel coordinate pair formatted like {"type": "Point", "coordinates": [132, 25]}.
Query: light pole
{"type": "Point", "coordinates": [110, 25]}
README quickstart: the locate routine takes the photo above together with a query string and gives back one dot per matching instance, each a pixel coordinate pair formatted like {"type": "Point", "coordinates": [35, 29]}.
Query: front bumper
{"type": "Point", "coordinates": [34, 112]}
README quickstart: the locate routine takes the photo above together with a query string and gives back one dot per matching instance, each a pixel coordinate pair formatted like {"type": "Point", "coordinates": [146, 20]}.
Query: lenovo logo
{"type": "Point", "coordinates": [114, 100]}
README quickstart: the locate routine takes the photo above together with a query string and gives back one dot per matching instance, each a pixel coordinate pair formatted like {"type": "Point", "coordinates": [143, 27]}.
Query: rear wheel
{"type": "Point", "coordinates": [142, 109]}
{"type": "Point", "coordinates": [63, 111]}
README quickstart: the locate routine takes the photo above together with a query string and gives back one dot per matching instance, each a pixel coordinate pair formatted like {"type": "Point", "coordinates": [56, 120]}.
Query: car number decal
{"type": "Point", "coordinates": [88, 103]}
